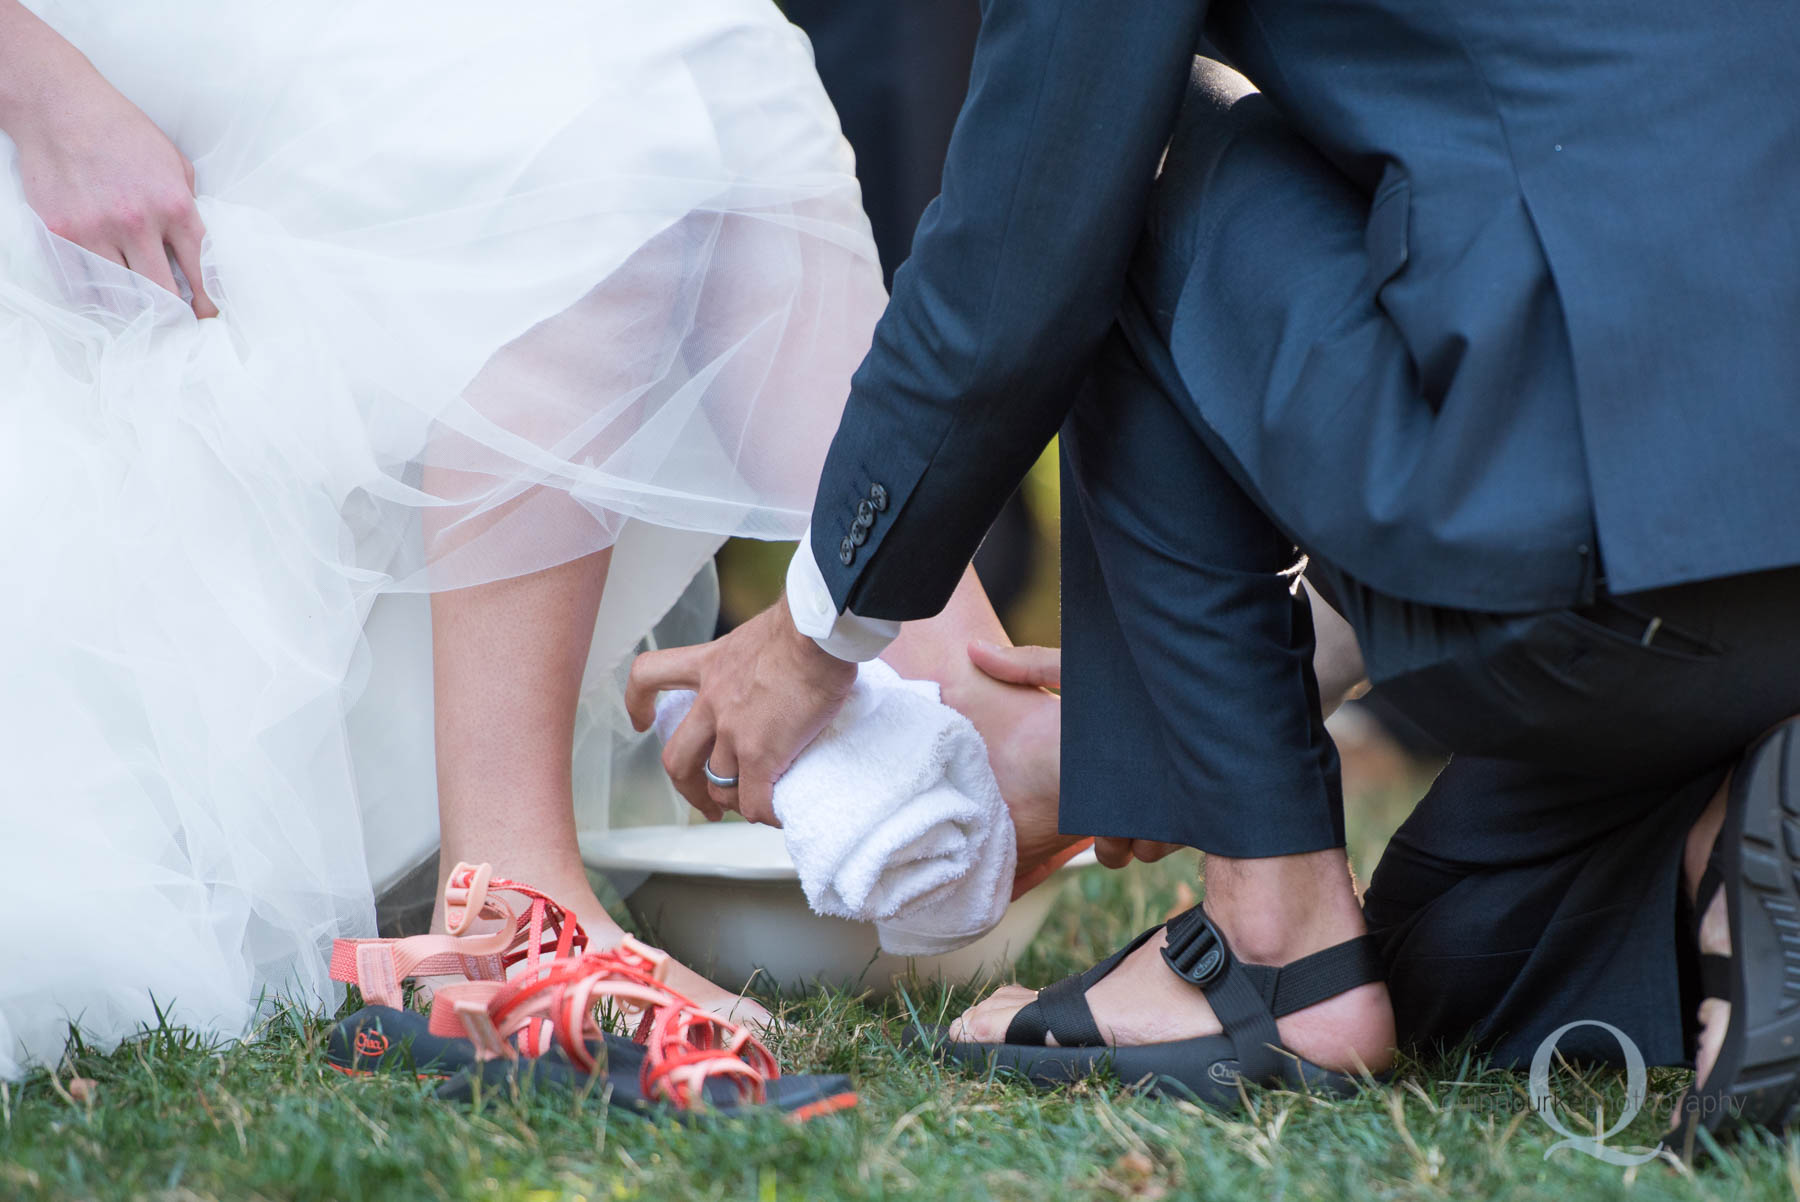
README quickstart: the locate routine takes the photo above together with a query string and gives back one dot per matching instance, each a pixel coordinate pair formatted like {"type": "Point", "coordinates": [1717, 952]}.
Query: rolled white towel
{"type": "Point", "coordinates": [892, 816]}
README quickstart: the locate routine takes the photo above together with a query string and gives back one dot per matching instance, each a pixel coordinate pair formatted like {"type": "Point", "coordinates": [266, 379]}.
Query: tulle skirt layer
{"type": "Point", "coordinates": [500, 288]}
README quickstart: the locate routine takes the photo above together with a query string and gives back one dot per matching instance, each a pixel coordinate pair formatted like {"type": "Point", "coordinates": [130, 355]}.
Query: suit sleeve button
{"type": "Point", "coordinates": [859, 534]}
{"type": "Point", "coordinates": [847, 552]}
{"type": "Point", "coordinates": [865, 514]}
{"type": "Point", "coordinates": [878, 497]}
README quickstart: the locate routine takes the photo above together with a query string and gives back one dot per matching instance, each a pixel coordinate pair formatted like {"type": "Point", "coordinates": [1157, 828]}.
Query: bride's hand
{"type": "Point", "coordinates": [96, 169]}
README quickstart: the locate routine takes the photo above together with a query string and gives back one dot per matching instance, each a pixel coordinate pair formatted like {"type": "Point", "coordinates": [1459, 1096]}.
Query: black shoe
{"type": "Point", "coordinates": [617, 1075]}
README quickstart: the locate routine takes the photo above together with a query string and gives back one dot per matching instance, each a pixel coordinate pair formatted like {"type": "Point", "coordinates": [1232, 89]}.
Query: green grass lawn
{"type": "Point", "coordinates": [172, 1119]}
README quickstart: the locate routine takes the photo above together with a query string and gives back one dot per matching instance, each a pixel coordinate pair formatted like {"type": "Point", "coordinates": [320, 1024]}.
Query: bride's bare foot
{"type": "Point", "coordinates": [714, 999]}
{"type": "Point", "coordinates": [570, 888]}
{"type": "Point", "coordinates": [1002, 690]}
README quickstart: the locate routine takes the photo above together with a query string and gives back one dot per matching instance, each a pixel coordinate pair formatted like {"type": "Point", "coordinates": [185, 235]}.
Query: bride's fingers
{"type": "Point", "coordinates": [149, 260]}
{"type": "Point", "coordinates": [184, 244]}
{"type": "Point", "coordinates": [683, 755]}
{"type": "Point", "coordinates": [654, 672]}
{"type": "Point", "coordinates": [1039, 667]}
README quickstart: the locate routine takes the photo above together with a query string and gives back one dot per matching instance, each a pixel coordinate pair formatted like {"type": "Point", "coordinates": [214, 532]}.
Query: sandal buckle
{"type": "Point", "coordinates": [1195, 951]}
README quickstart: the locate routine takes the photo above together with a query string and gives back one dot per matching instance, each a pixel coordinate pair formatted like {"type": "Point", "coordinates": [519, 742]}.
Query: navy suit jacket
{"type": "Point", "coordinates": [1639, 161]}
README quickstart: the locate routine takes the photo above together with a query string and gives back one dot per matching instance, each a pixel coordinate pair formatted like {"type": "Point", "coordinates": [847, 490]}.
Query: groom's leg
{"type": "Point", "coordinates": [1506, 910]}
{"type": "Point", "coordinates": [1196, 720]}
{"type": "Point", "coordinates": [1518, 898]}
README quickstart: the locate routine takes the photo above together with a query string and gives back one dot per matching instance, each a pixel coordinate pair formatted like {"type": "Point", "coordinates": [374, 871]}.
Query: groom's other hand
{"type": "Point", "coordinates": [762, 693]}
{"type": "Point", "coordinates": [1037, 667]}
{"type": "Point", "coordinates": [1116, 853]}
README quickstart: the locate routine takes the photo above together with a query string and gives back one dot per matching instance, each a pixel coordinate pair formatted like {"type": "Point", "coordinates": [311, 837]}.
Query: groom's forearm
{"type": "Point", "coordinates": [1014, 278]}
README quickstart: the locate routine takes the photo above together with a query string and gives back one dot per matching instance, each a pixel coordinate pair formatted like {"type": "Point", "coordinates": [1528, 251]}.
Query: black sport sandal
{"type": "Point", "coordinates": [1756, 863]}
{"type": "Point", "coordinates": [1247, 998]}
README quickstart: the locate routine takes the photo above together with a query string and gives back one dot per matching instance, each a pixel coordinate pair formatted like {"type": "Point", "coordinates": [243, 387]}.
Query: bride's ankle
{"type": "Point", "coordinates": [577, 897]}
{"type": "Point", "coordinates": [567, 885]}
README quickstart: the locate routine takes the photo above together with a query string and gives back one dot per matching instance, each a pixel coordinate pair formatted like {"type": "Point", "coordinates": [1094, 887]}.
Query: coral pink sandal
{"type": "Point", "coordinates": [483, 1029]}
{"type": "Point", "coordinates": [378, 966]}
{"type": "Point", "coordinates": [384, 1034]}
{"type": "Point", "coordinates": [685, 1059]}
{"type": "Point", "coordinates": [629, 979]}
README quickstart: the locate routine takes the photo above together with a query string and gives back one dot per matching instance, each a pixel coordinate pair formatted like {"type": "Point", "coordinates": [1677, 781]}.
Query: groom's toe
{"type": "Point", "coordinates": [987, 1020]}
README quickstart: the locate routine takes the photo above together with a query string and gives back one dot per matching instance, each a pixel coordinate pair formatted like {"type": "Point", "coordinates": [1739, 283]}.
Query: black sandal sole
{"type": "Point", "coordinates": [796, 1098]}
{"type": "Point", "coordinates": [1200, 1070]}
{"type": "Point", "coordinates": [381, 1039]}
{"type": "Point", "coordinates": [1756, 1078]}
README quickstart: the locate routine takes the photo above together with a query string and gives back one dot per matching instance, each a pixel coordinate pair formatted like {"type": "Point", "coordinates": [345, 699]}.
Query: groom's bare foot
{"type": "Point", "coordinates": [1142, 1002]}
{"type": "Point", "coordinates": [1715, 939]}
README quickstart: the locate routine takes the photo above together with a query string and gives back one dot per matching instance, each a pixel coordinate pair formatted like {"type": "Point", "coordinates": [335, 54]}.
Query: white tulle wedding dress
{"type": "Point", "coordinates": [500, 286]}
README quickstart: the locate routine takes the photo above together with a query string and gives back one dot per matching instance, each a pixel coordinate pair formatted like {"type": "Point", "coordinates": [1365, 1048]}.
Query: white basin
{"type": "Point", "coordinates": [724, 899]}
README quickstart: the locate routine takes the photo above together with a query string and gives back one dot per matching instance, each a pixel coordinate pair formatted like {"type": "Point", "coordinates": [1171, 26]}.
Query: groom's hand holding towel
{"type": "Point", "coordinates": [892, 816]}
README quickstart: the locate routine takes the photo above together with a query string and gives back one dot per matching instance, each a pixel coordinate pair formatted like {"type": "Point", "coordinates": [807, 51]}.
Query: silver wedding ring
{"type": "Point", "coordinates": [722, 782]}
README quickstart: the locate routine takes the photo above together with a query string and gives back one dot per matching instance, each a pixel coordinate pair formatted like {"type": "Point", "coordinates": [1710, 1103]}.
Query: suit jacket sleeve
{"type": "Point", "coordinates": [1014, 279]}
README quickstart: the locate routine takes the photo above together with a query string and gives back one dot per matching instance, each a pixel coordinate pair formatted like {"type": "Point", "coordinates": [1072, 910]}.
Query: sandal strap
{"type": "Point", "coordinates": [1325, 974]}
{"type": "Point", "coordinates": [1716, 976]}
{"type": "Point", "coordinates": [1062, 1010]}
{"type": "Point", "coordinates": [1197, 952]}
{"type": "Point", "coordinates": [1716, 973]}
{"type": "Point", "coordinates": [378, 966]}
{"type": "Point", "coordinates": [544, 928]}
{"type": "Point", "coordinates": [1246, 998]}
{"type": "Point", "coordinates": [506, 1019]}
{"type": "Point", "coordinates": [686, 1048]}
{"type": "Point", "coordinates": [1711, 881]}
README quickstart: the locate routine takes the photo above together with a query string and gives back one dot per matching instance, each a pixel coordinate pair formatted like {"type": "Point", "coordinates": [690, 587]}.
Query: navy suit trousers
{"type": "Point", "coordinates": [1539, 882]}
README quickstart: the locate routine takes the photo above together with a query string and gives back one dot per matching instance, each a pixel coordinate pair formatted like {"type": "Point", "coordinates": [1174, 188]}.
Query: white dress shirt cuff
{"type": "Point", "coordinates": [815, 615]}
